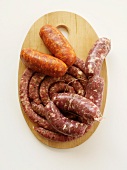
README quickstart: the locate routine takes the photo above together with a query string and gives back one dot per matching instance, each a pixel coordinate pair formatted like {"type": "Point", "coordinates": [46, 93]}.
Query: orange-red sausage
{"type": "Point", "coordinates": [43, 63]}
{"type": "Point", "coordinates": [58, 44]}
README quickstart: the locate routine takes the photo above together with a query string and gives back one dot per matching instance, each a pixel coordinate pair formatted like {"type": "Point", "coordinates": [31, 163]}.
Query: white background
{"type": "Point", "coordinates": [107, 148]}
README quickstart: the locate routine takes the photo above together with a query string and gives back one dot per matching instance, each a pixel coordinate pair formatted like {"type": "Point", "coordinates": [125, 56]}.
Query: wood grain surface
{"type": "Point", "coordinates": [82, 37]}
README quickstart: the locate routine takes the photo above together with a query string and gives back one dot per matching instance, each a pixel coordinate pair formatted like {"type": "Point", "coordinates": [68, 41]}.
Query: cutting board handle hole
{"type": "Point", "coordinates": [64, 30]}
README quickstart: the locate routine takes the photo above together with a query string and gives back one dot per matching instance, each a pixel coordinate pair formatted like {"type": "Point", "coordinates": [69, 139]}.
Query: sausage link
{"type": "Point", "coordinates": [60, 87]}
{"type": "Point", "coordinates": [80, 64]}
{"type": "Point", "coordinates": [44, 88]}
{"type": "Point", "coordinates": [57, 44]}
{"type": "Point", "coordinates": [49, 81]}
{"type": "Point", "coordinates": [63, 124]}
{"type": "Point", "coordinates": [78, 74]}
{"type": "Point", "coordinates": [44, 63]}
{"type": "Point", "coordinates": [94, 90]}
{"type": "Point", "coordinates": [79, 105]}
{"type": "Point", "coordinates": [34, 87]}
{"type": "Point", "coordinates": [96, 57]}
{"type": "Point", "coordinates": [23, 93]}
{"type": "Point", "coordinates": [38, 108]}
{"type": "Point", "coordinates": [57, 137]}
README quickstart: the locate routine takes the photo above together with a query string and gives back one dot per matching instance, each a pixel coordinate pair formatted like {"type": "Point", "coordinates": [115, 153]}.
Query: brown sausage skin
{"type": "Point", "coordinates": [34, 87]}
{"type": "Point", "coordinates": [94, 90]}
{"type": "Point", "coordinates": [24, 98]}
{"type": "Point", "coordinates": [63, 124]}
{"type": "Point", "coordinates": [44, 63]}
{"type": "Point", "coordinates": [53, 136]}
{"type": "Point", "coordinates": [96, 57]}
{"type": "Point", "coordinates": [78, 104]}
{"type": "Point", "coordinates": [57, 44]}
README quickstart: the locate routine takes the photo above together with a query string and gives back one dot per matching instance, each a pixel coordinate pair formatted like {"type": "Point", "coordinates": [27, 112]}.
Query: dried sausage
{"type": "Point", "coordinates": [34, 87]}
{"type": "Point", "coordinates": [78, 74]}
{"type": "Point", "coordinates": [44, 63]}
{"type": "Point", "coordinates": [63, 124]}
{"type": "Point", "coordinates": [49, 81]}
{"type": "Point", "coordinates": [57, 44]}
{"type": "Point", "coordinates": [94, 90]}
{"type": "Point", "coordinates": [96, 57]}
{"type": "Point", "coordinates": [57, 137]}
{"type": "Point", "coordinates": [23, 93]}
{"type": "Point", "coordinates": [60, 87]}
{"type": "Point", "coordinates": [80, 64]}
{"type": "Point", "coordinates": [38, 108]}
{"type": "Point", "coordinates": [44, 88]}
{"type": "Point", "coordinates": [78, 104]}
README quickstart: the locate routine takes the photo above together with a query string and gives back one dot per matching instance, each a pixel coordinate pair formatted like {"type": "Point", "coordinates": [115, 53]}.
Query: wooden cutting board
{"type": "Point", "coordinates": [82, 37]}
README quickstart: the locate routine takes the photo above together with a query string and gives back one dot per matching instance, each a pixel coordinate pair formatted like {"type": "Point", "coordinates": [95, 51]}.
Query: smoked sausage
{"type": "Point", "coordinates": [57, 44]}
{"type": "Point", "coordinates": [43, 63]}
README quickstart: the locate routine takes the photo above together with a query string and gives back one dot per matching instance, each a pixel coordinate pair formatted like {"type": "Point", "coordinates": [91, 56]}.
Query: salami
{"type": "Point", "coordinates": [57, 44]}
{"type": "Point", "coordinates": [94, 90]}
{"type": "Point", "coordinates": [79, 105]}
{"type": "Point", "coordinates": [96, 57]}
{"type": "Point", "coordinates": [43, 63]}
{"type": "Point", "coordinates": [63, 124]}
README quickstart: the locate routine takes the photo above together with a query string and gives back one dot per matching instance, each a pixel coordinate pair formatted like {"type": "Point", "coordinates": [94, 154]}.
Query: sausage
{"type": "Point", "coordinates": [96, 57]}
{"type": "Point", "coordinates": [79, 105]}
{"type": "Point", "coordinates": [57, 87]}
{"type": "Point", "coordinates": [94, 90]}
{"type": "Point", "coordinates": [43, 63]}
{"type": "Point", "coordinates": [57, 44]}
{"type": "Point", "coordinates": [72, 116]}
{"type": "Point", "coordinates": [34, 87]}
{"type": "Point", "coordinates": [49, 81]}
{"type": "Point", "coordinates": [78, 74]}
{"type": "Point", "coordinates": [38, 108]}
{"type": "Point", "coordinates": [60, 87]}
{"type": "Point", "coordinates": [44, 88]}
{"type": "Point", "coordinates": [57, 137]}
{"type": "Point", "coordinates": [75, 83]}
{"type": "Point", "coordinates": [63, 124]}
{"type": "Point", "coordinates": [80, 64]}
{"type": "Point", "coordinates": [23, 93]}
